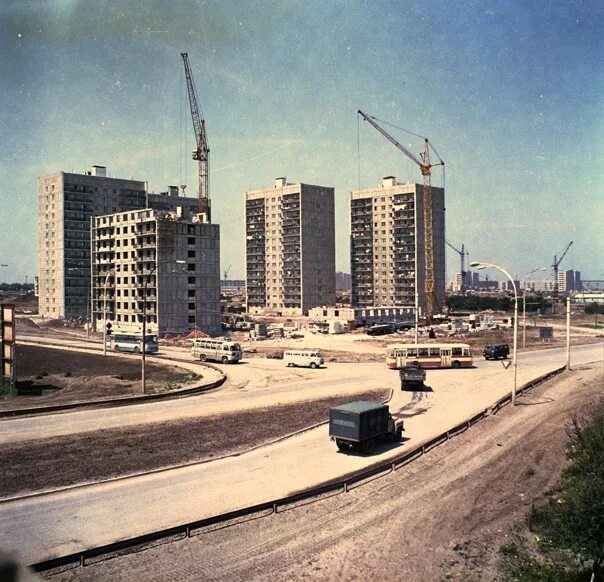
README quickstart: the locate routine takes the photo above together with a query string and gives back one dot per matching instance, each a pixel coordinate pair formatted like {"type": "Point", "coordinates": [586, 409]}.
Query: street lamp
{"type": "Point", "coordinates": [109, 274]}
{"type": "Point", "coordinates": [479, 265]}
{"type": "Point", "coordinates": [144, 314]}
{"type": "Point", "coordinates": [526, 278]}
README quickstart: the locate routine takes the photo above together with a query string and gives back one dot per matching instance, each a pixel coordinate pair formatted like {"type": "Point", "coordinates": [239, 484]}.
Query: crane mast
{"type": "Point", "coordinates": [426, 170]}
{"type": "Point", "coordinates": [462, 254]}
{"type": "Point", "coordinates": [202, 151]}
{"type": "Point", "coordinates": [555, 266]}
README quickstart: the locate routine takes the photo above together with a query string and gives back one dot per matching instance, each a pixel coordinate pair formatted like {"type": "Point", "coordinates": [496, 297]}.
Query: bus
{"type": "Point", "coordinates": [429, 355]}
{"type": "Point", "coordinates": [121, 342]}
{"type": "Point", "coordinates": [304, 358]}
{"type": "Point", "coordinates": [216, 350]}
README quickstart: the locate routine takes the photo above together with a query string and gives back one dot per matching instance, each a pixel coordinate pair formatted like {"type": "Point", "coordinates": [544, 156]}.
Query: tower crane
{"type": "Point", "coordinates": [202, 152]}
{"type": "Point", "coordinates": [555, 266]}
{"type": "Point", "coordinates": [227, 271]}
{"type": "Point", "coordinates": [462, 254]}
{"type": "Point", "coordinates": [426, 168]}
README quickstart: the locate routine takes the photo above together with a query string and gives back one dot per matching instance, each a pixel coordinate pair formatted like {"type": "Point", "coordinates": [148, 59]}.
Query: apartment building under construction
{"type": "Point", "coordinates": [290, 248]}
{"type": "Point", "coordinates": [66, 204]}
{"type": "Point", "coordinates": [161, 265]}
{"type": "Point", "coordinates": [387, 245]}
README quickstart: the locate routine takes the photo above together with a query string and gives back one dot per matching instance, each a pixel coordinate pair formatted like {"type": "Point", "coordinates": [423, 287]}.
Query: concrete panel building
{"type": "Point", "coordinates": [66, 204]}
{"type": "Point", "coordinates": [387, 245]}
{"type": "Point", "coordinates": [569, 281]}
{"type": "Point", "coordinates": [290, 248]}
{"type": "Point", "coordinates": [166, 264]}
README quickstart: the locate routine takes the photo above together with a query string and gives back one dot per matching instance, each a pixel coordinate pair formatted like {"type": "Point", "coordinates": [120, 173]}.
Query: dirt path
{"type": "Point", "coordinates": [442, 517]}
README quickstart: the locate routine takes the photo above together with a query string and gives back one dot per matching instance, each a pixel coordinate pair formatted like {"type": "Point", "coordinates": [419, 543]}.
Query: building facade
{"type": "Point", "coordinates": [66, 204]}
{"type": "Point", "coordinates": [388, 245]}
{"type": "Point", "coordinates": [158, 264]}
{"type": "Point", "coordinates": [569, 281]}
{"type": "Point", "coordinates": [290, 248]}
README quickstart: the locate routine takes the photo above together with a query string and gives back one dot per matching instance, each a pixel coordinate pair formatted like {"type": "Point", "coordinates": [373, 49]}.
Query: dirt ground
{"type": "Point", "coordinates": [66, 376]}
{"type": "Point", "coordinates": [62, 461]}
{"type": "Point", "coordinates": [443, 517]}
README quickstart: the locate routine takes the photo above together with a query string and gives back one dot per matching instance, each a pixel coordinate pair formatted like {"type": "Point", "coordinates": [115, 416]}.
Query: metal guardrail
{"type": "Point", "coordinates": [347, 483]}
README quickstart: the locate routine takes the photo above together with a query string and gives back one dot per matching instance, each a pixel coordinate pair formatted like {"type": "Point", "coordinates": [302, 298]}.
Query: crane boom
{"type": "Point", "coordinates": [202, 152]}
{"type": "Point", "coordinates": [555, 266]}
{"type": "Point", "coordinates": [426, 169]}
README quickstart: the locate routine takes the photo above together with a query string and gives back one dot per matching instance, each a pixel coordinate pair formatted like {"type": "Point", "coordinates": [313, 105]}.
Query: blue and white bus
{"type": "Point", "coordinates": [121, 342]}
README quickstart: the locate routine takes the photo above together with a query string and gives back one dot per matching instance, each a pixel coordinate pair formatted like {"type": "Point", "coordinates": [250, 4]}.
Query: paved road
{"type": "Point", "coordinates": [64, 522]}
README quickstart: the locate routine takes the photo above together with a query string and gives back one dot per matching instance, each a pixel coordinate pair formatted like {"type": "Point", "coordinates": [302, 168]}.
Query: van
{"type": "Point", "coordinates": [217, 350]}
{"type": "Point", "coordinates": [496, 351]}
{"type": "Point", "coordinates": [304, 358]}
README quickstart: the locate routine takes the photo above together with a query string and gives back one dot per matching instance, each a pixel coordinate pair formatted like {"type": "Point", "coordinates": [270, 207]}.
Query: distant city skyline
{"type": "Point", "coordinates": [509, 94]}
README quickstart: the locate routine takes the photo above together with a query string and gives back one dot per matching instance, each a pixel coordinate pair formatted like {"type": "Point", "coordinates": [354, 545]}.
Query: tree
{"type": "Point", "coordinates": [573, 518]}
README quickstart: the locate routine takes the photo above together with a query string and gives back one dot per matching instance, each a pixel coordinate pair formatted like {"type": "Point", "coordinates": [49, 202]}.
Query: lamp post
{"type": "Point", "coordinates": [526, 278]}
{"type": "Point", "coordinates": [144, 326]}
{"type": "Point", "coordinates": [109, 273]}
{"type": "Point", "coordinates": [480, 265]}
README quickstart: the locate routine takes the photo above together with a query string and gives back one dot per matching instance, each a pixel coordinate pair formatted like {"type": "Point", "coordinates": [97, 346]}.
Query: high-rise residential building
{"type": "Point", "coordinates": [163, 264]}
{"type": "Point", "coordinates": [290, 248]}
{"type": "Point", "coordinates": [388, 245]}
{"type": "Point", "coordinates": [66, 204]}
{"type": "Point", "coordinates": [569, 281]}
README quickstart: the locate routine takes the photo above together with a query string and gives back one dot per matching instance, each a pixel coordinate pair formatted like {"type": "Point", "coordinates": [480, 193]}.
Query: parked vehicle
{"type": "Point", "coordinates": [304, 358]}
{"type": "Point", "coordinates": [429, 355]}
{"type": "Point", "coordinates": [412, 376]}
{"type": "Point", "coordinates": [217, 350]}
{"type": "Point", "coordinates": [379, 330]}
{"type": "Point", "coordinates": [121, 342]}
{"type": "Point", "coordinates": [496, 351]}
{"type": "Point", "coordinates": [359, 424]}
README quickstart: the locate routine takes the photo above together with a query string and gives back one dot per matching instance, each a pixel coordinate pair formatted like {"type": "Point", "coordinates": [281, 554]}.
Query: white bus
{"type": "Point", "coordinates": [122, 342]}
{"type": "Point", "coordinates": [216, 350]}
{"type": "Point", "coordinates": [429, 355]}
{"type": "Point", "coordinates": [309, 359]}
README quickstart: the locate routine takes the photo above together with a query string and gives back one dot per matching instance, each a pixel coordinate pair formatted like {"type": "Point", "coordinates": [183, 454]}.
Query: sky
{"type": "Point", "coordinates": [509, 93]}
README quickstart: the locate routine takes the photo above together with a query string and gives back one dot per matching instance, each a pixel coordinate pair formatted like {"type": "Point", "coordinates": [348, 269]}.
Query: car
{"type": "Point", "coordinates": [496, 351]}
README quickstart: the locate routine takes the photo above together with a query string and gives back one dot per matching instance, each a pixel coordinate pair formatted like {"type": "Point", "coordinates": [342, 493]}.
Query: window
{"type": "Point", "coordinates": [456, 351]}
{"type": "Point", "coordinates": [191, 293]}
{"type": "Point", "coordinates": [191, 254]}
{"type": "Point", "coordinates": [191, 240]}
{"type": "Point", "coordinates": [191, 305]}
{"type": "Point", "coordinates": [191, 267]}
{"type": "Point", "coordinates": [191, 280]}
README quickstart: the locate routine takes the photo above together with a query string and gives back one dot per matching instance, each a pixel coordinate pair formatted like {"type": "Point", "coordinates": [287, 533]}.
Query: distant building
{"type": "Point", "coordinates": [538, 285]}
{"type": "Point", "coordinates": [593, 285]}
{"type": "Point", "coordinates": [362, 315]}
{"type": "Point", "coordinates": [569, 281]}
{"type": "Point", "coordinates": [290, 248]}
{"type": "Point", "coordinates": [66, 204]}
{"type": "Point", "coordinates": [507, 286]}
{"type": "Point", "coordinates": [486, 285]}
{"type": "Point", "coordinates": [388, 245]}
{"type": "Point", "coordinates": [164, 264]}
{"type": "Point", "coordinates": [591, 297]}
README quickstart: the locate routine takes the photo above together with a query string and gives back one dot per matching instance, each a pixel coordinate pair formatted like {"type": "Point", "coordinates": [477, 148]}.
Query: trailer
{"type": "Point", "coordinates": [360, 424]}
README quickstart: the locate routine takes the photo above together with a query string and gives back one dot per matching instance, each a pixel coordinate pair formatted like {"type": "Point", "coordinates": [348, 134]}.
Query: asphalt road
{"type": "Point", "coordinates": [55, 524]}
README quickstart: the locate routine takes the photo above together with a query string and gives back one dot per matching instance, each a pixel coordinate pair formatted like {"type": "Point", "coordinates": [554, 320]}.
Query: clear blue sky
{"type": "Point", "coordinates": [510, 93]}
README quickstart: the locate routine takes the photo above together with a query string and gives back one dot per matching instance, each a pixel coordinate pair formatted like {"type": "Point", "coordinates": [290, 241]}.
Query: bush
{"type": "Point", "coordinates": [593, 308]}
{"type": "Point", "coordinates": [572, 519]}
